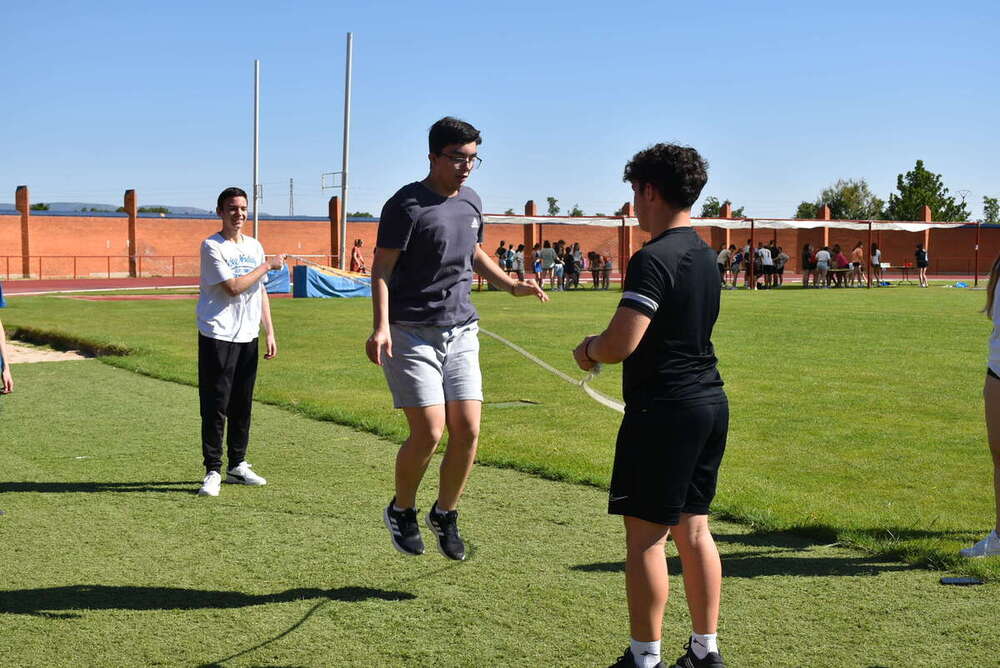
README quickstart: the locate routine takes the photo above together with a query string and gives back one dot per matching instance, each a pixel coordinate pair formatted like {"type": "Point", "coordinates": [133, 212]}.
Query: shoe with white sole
{"type": "Point", "coordinates": [987, 547]}
{"type": "Point", "coordinates": [211, 484]}
{"type": "Point", "coordinates": [242, 475]}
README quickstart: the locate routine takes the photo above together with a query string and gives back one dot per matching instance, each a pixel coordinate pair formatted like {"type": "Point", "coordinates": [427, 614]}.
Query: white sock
{"type": "Point", "coordinates": [398, 509]}
{"type": "Point", "coordinates": [646, 654]}
{"type": "Point", "coordinates": [702, 644]}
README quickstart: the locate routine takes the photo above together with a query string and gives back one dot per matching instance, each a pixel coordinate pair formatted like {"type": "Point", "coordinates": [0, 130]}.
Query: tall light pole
{"type": "Point", "coordinates": [347, 148]}
{"type": "Point", "coordinates": [256, 146]}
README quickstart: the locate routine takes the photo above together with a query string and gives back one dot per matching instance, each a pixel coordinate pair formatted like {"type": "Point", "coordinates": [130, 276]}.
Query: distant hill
{"type": "Point", "coordinates": [69, 207]}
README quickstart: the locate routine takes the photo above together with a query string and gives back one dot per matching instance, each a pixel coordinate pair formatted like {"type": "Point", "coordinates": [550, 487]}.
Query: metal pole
{"type": "Point", "coordinates": [752, 258]}
{"type": "Point", "coordinates": [975, 281]}
{"type": "Point", "coordinates": [256, 146]}
{"type": "Point", "coordinates": [347, 148]}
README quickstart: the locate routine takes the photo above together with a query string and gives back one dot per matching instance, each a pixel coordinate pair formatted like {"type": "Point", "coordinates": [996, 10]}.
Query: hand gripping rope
{"type": "Point", "coordinates": [602, 399]}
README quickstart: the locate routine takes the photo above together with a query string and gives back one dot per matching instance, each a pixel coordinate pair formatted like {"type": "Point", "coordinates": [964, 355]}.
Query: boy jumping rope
{"type": "Point", "coordinates": [425, 334]}
{"type": "Point", "coordinates": [673, 434]}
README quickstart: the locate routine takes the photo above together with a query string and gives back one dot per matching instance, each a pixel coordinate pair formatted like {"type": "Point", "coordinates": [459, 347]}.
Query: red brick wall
{"type": "Point", "coordinates": [178, 238]}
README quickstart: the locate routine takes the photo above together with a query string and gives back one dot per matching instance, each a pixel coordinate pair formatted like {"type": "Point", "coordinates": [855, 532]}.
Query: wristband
{"type": "Point", "coordinates": [586, 351]}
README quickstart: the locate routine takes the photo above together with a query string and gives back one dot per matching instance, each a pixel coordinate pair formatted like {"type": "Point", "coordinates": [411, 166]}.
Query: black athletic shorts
{"type": "Point", "coordinates": [667, 460]}
{"type": "Point", "coordinates": [989, 372]}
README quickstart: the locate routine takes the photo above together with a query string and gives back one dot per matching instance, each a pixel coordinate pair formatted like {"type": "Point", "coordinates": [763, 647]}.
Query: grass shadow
{"type": "Point", "coordinates": [67, 602]}
{"type": "Point", "coordinates": [185, 486]}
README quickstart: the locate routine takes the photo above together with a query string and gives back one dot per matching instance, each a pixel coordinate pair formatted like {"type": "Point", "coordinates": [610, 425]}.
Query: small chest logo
{"type": "Point", "coordinates": [475, 223]}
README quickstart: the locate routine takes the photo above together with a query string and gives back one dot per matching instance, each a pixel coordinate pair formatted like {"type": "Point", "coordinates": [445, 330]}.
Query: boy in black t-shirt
{"type": "Point", "coordinates": [673, 435]}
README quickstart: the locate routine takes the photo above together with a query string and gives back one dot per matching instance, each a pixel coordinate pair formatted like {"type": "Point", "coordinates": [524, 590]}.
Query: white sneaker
{"type": "Point", "coordinates": [242, 475]}
{"type": "Point", "coordinates": [210, 486]}
{"type": "Point", "coordinates": [987, 547]}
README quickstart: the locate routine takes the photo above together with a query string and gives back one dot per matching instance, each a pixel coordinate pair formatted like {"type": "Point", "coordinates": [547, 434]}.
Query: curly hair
{"type": "Point", "coordinates": [450, 130]}
{"type": "Point", "coordinates": [677, 172]}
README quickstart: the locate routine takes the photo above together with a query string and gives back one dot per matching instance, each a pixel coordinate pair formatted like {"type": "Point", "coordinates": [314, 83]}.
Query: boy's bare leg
{"type": "Point", "coordinates": [463, 438]}
{"type": "Point", "coordinates": [646, 583]}
{"type": "Point", "coordinates": [702, 571]}
{"type": "Point", "coordinates": [426, 428]}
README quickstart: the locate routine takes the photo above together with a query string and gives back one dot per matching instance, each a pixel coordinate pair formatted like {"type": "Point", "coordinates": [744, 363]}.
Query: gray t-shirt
{"type": "Point", "coordinates": [432, 281]}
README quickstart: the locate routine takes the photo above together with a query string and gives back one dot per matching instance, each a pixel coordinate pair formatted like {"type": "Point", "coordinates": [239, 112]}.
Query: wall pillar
{"type": "Point", "coordinates": [727, 212]}
{"type": "Point", "coordinates": [625, 240]}
{"type": "Point", "coordinates": [532, 236]}
{"type": "Point", "coordinates": [336, 243]}
{"type": "Point", "coordinates": [132, 209]}
{"type": "Point", "coordinates": [22, 200]}
{"type": "Point", "coordinates": [825, 214]}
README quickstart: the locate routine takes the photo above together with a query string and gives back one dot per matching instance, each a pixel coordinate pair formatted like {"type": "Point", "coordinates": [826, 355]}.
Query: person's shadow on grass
{"type": "Point", "coordinates": [185, 486]}
{"type": "Point", "coordinates": [778, 554]}
{"type": "Point", "coordinates": [67, 602]}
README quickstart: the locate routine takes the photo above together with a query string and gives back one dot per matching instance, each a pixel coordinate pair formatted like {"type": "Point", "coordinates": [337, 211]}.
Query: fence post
{"type": "Point", "coordinates": [23, 199]}
{"type": "Point", "coordinates": [132, 211]}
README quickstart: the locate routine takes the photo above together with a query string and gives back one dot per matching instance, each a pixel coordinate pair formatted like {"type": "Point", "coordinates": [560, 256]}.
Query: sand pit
{"type": "Point", "coordinates": [21, 353]}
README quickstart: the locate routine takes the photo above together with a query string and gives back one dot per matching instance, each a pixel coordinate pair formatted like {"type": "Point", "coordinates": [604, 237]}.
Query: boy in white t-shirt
{"type": "Point", "coordinates": [231, 307]}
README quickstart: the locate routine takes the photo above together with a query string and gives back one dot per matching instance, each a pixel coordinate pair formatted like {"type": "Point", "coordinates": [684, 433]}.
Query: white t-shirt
{"type": "Point", "coordinates": [823, 256]}
{"type": "Point", "coordinates": [994, 362]}
{"type": "Point", "coordinates": [220, 315]}
{"type": "Point", "coordinates": [877, 258]}
{"type": "Point", "coordinates": [765, 257]}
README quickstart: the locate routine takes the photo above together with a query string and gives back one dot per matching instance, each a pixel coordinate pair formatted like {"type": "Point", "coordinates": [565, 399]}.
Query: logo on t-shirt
{"type": "Point", "coordinates": [475, 223]}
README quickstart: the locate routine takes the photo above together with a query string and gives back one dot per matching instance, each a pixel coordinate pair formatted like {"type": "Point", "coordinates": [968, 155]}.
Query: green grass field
{"type": "Point", "coordinates": [109, 559]}
{"type": "Point", "coordinates": [856, 414]}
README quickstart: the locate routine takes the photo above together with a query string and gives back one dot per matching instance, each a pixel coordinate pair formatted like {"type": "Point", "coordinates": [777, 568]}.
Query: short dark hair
{"type": "Point", "coordinates": [449, 131]}
{"type": "Point", "coordinates": [677, 172]}
{"type": "Point", "coordinates": [232, 191]}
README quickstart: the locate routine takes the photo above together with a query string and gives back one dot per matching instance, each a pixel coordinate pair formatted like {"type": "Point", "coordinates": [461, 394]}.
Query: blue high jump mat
{"type": "Point", "coordinates": [325, 282]}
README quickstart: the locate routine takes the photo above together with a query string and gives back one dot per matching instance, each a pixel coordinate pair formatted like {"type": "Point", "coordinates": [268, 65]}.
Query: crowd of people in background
{"type": "Point", "coordinates": [561, 263]}
{"type": "Point", "coordinates": [821, 266]}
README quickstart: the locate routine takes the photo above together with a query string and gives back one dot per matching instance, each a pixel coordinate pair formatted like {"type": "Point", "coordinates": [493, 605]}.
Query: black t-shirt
{"type": "Point", "coordinates": [432, 281]}
{"type": "Point", "coordinates": [674, 280]}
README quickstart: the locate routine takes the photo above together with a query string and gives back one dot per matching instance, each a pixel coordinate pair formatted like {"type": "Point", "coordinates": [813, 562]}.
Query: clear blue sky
{"type": "Point", "coordinates": [782, 98]}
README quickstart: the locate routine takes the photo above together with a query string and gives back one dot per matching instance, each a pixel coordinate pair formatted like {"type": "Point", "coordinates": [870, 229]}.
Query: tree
{"type": "Point", "coordinates": [153, 209]}
{"type": "Point", "coordinates": [509, 212]}
{"type": "Point", "coordinates": [848, 199]}
{"type": "Point", "coordinates": [712, 208]}
{"type": "Point", "coordinates": [918, 188]}
{"type": "Point", "coordinates": [599, 214]}
{"type": "Point", "coordinates": [576, 211]}
{"type": "Point", "coordinates": [39, 206]}
{"type": "Point", "coordinates": [360, 214]}
{"type": "Point", "coordinates": [553, 206]}
{"type": "Point", "coordinates": [807, 210]}
{"type": "Point", "coordinates": [991, 210]}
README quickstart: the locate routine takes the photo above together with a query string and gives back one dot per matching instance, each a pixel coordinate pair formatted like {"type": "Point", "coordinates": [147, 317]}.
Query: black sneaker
{"type": "Point", "coordinates": [689, 660]}
{"type": "Point", "coordinates": [445, 525]}
{"type": "Point", "coordinates": [626, 660]}
{"type": "Point", "coordinates": [403, 529]}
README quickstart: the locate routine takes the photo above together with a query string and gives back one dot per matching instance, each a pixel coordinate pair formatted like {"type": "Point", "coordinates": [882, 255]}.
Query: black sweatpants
{"type": "Point", "coordinates": [227, 372]}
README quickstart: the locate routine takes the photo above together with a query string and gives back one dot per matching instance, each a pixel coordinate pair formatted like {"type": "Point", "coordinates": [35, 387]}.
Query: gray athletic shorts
{"type": "Point", "coordinates": [433, 365]}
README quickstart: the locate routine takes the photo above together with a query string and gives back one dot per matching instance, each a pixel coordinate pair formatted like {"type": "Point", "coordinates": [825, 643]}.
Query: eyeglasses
{"type": "Point", "coordinates": [457, 159]}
